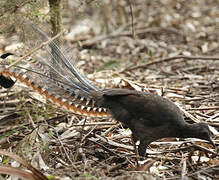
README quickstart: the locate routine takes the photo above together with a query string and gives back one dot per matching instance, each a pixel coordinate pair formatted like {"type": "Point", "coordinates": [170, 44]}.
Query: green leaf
{"type": "Point", "coordinates": [89, 176]}
{"type": "Point", "coordinates": [109, 65]}
{"type": "Point", "coordinates": [5, 161]}
{"type": "Point", "coordinates": [50, 176]}
{"type": "Point", "coordinates": [150, 53]}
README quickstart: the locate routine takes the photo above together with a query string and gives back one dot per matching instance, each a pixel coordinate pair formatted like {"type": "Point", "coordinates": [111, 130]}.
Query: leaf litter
{"type": "Point", "coordinates": [65, 145]}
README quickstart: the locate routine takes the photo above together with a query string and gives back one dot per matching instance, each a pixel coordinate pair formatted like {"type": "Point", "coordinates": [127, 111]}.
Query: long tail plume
{"type": "Point", "coordinates": [64, 60]}
{"type": "Point", "coordinates": [63, 89]}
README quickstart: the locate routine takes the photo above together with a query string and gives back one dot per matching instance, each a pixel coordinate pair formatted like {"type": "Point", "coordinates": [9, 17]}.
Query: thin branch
{"type": "Point", "coordinates": [170, 59]}
{"type": "Point", "coordinates": [34, 50]}
{"type": "Point", "coordinates": [188, 148]}
{"type": "Point", "coordinates": [204, 169]}
{"type": "Point", "coordinates": [107, 149]}
{"type": "Point", "coordinates": [13, 8]}
{"type": "Point", "coordinates": [130, 6]}
{"type": "Point", "coordinates": [96, 124]}
{"type": "Point", "coordinates": [205, 108]}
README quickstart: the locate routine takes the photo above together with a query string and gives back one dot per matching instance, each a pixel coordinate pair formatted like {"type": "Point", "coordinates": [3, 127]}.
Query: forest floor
{"type": "Point", "coordinates": [167, 50]}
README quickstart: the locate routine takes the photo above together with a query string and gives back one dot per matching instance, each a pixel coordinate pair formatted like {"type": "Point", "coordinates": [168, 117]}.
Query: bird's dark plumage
{"type": "Point", "coordinates": [149, 116]}
{"type": "Point", "coordinates": [6, 82]}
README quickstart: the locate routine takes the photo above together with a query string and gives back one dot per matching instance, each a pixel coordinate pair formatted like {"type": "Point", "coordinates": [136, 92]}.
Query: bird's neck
{"type": "Point", "coordinates": [188, 131]}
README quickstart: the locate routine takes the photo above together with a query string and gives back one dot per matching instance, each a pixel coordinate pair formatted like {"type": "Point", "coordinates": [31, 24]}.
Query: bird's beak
{"type": "Point", "coordinates": [212, 143]}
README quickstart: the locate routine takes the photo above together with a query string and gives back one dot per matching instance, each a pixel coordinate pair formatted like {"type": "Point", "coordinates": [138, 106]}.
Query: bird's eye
{"type": "Point", "coordinates": [204, 134]}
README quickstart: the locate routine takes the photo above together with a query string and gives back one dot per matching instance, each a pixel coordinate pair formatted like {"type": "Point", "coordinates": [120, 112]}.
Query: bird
{"type": "Point", "coordinates": [6, 82]}
{"type": "Point", "coordinates": [150, 117]}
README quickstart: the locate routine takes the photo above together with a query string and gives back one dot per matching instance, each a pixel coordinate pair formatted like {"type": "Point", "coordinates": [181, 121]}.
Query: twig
{"type": "Point", "coordinates": [14, 7]}
{"type": "Point", "coordinates": [170, 59]}
{"type": "Point", "coordinates": [184, 168]}
{"type": "Point", "coordinates": [145, 30]}
{"type": "Point", "coordinates": [130, 6]}
{"type": "Point", "coordinates": [187, 114]}
{"type": "Point", "coordinates": [24, 125]}
{"type": "Point", "coordinates": [102, 37]}
{"type": "Point", "coordinates": [202, 97]}
{"type": "Point", "coordinates": [35, 49]}
{"type": "Point", "coordinates": [96, 124]}
{"type": "Point", "coordinates": [113, 143]}
{"type": "Point", "coordinates": [205, 169]}
{"type": "Point", "coordinates": [136, 151]}
{"type": "Point", "coordinates": [205, 150]}
{"type": "Point", "coordinates": [106, 149]}
{"type": "Point", "coordinates": [205, 108]}
{"type": "Point", "coordinates": [197, 147]}
{"type": "Point", "coordinates": [83, 138]}
{"type": "Point", "coordinates": [66, 153]}
{"type": "Point", "coordinates": [121, 32]}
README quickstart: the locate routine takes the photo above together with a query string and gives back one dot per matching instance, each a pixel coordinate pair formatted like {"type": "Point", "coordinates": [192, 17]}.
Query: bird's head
{"type": "Point", "coordinates": [202, 131]}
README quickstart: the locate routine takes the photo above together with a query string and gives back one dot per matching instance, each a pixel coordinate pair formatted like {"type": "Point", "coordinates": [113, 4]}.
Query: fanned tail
{"type": "Point", "coordinates": [64, 60]}
{"type": "Point", "coordinates": [63, 90]}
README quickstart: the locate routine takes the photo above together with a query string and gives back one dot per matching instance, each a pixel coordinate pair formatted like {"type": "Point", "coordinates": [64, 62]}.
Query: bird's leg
{"type": "Point", "coordinates": [142, 149]}
{"type": "Point", "coordinates": [133, 139]}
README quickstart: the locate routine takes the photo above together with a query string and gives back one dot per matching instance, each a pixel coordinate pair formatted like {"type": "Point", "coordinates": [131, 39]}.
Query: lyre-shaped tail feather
{"type": "Point", "coordinates": [68, 88]}
{"type": "Point", "coordinates": [41, 66]}
{"type": "Point", "coordinates": [59, 56]}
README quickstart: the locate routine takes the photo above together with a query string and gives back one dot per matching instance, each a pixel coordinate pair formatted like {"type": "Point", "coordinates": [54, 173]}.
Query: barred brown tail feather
{"type": "Point", "coordinates": [67, 104]}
